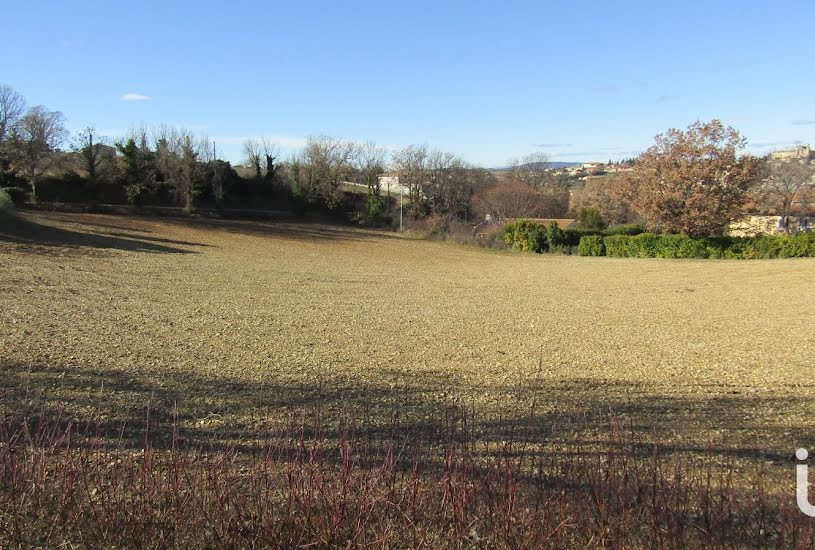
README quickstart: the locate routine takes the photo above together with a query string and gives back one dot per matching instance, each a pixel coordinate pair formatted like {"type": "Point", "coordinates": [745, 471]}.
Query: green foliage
{"type": "Point", "coordinates": [525, 236]}
{"type": "Point", "coordinates": [590, 219]}
{"type": "Point", "coordinates": [375, 205]}
{"type": "Point", "coordinates": [573, 236]}
{"type": "Point", "coordinates": [139, 170]}
{"type": "Point", "coordinates": [6, 203]}
{"type": "Point", "coordinates": [624, 229]}
{"type": "Point", "coordinates": [591, 245]}
{"type": "Point", "coordinates": [648, 245]}
{"type": "Point", "coordinates": [18, 194]}
{"type": "Point", "coordinates": [555, 237]}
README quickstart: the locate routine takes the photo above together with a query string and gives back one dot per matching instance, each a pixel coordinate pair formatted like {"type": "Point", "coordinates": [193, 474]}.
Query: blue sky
{"type": "Point", "coordinates": [577, 80]}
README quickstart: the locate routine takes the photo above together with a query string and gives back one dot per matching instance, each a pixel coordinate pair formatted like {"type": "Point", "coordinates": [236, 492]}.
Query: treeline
{"type": "Point", "coordinates": [169, 166]}
{"type": "Point", "coordinates": [694, 181]}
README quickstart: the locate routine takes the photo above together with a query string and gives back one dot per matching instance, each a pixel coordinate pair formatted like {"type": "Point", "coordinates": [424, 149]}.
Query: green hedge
{"type": "Point", "coordinates": [525, 236]}
{"type": "Point", "coordinates": [591, 245]}
{"type": "Point", "coordinates": [648, 245]}
{"type": "Point", "coordinates": [627, 241]}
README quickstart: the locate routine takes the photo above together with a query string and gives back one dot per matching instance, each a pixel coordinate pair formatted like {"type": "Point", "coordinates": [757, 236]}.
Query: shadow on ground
{"type": "Point", "coordinates": [25, 230]}
{"type": "Point", "coordinates": [308, 231]}
{"type": "Point", "coordinates": [225, 412]}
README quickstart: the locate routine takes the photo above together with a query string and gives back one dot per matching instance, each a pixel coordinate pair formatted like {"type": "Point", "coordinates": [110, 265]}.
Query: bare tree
{"type": "Point", "coordinates": [509, 199]}
{"type": "Point", "coordinates": [411, 164]}
{"type": "Point", "coordinates": [531, 169]}
{"type": "Point", "coordinates": [370, 163]}
{"type": "Point", "coordinates": [447, 187]}
{"type": "Point", "coordinates": [39, 133]}
{"type": "Point", "coordinates": [534, 171]}
{"type": "Point", "coordinates": [252, 152]}
{"type": "Point", "coordinates": [271, 153]}
{"type": "Point", "coordinates": [329, 162]}
{"type": "Point", "coordinates": [12, 105]}
{"type": "Point", "coordinates": [93, 151]}
{"type": "Point", "coordinates": [785, 183]}
{"type": "Point", "coordinates": [177, 153]}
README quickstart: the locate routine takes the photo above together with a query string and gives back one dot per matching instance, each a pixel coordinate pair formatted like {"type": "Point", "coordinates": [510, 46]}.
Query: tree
{"type": "Point", "coordinates": [530, 169]}
{"type": "Point", "coordinates": [411, 165]}
{"type": "Point", "coordinates": [590, 219]}
{"type": "Point", "coordinates": [189, 170]}
{"type": "Point", "coordinates": [139, 173]}
{"type": "Point", "coordinates": [271, 152]}
{"type": "Point", "coordinates": [329, 162]}
{"type": "Point", "coordinates": [12, 105]}
{"type": "Point", "coordinates": [785, 183]}
{"type": "Point", "coordinates": [534, 171]}
{"type": "Point", "coordinates": [93, 151]}
{"type": "Point", "coordinates": [177, 159]}
{"type": "Point", "coordinates": [693, 181]}
{"type": "Point", "coordinates": [252, 151]}
{"type": "Point", "coordinates": [370, 164]}
{"type": "Point", "coordinates": [38, 135]}
{"type": "Point", "coordinates": [611, 195]}
{"type": "Point", "coordinates": [509, 199]}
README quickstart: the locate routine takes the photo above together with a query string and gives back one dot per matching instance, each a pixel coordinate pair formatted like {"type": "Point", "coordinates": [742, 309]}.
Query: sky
{"type": "Point", "coordinates": [578, 80]}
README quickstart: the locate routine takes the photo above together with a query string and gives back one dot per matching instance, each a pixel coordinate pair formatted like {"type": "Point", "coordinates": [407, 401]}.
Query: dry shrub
{"type": "Point", "coordinates": [354, 485]}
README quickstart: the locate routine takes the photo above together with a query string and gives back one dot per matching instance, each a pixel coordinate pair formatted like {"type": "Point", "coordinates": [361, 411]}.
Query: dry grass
{"type": "Point", "coordinates": [236, 321]}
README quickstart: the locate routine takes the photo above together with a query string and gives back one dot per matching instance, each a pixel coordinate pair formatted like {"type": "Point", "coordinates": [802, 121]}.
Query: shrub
{"type": "Point", "coordinates": [492, 237]}
{"type": "Point", "coordinates": [591, 245]}
{"type": "Point", "coordinates": [646, 245]}
{"type": "Point", "coordinates": [590, 219]}
{"type": "Point", "coordinates": [692, 248]}
{"type": "Point", "coordinates": [617, 246]}
{"type": "Point", "coordinates": [625, 229]}
{"type": "Point", "coordinates": [573, 236]}
{"type": "Point", "coordinates": [796, 246]}
{"type": "Point", "coordinates": [525, 236]}
{"type": "Point", "coordinates": [18, 195]}
{"type": "Point", "coordinates": [5, 201]}
{"type": "Point", "coordinates": [555, 237]}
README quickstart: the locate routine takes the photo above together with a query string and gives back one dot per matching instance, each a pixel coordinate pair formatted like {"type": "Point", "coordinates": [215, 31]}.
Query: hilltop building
{"type": "Point", "coordinates": [802, 152]}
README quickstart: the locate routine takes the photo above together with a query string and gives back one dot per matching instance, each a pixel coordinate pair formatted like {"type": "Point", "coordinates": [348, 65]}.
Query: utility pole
{"type": "Point", "coordinates": [401, 200]}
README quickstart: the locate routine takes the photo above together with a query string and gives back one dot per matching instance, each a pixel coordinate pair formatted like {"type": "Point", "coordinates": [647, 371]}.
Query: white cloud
{"type": "Point", "coordinates": [135, 97]}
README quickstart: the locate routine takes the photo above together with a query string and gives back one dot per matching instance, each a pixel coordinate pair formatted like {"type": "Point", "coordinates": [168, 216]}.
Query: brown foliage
{"type": "Point", "coordinates": [509, 199]}
{"type": "Point", "coordinates": [611, 195]}
{"type": "Point", "coordinates": [787, 187]}
{"type": "Point", "coordinates": [693, 181]}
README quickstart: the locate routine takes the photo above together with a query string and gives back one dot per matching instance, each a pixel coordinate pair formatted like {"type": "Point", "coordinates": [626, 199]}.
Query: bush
{"type": "Point", "coordinates": [648, 245]}
{"type": "Point", "coordinates": [590, 219]}
{"type": "Point", "coordinates": [625, 229]}
{"type": "Point", "coordinates": [492, 237]}
{"type": "Point", "coordinates": [573, 236]}
{"type": "Point", "coordinates": [591, 245]}
{"type": "Point", "coordinates": [620, 246]}
{"type": "Point", "coordinates": [6, 203]}
{"type": "Point", "coordinates": [18, 195]}
{"type": "Point", "coordinates": [555, 237]}
{"type": "Point", "coordinates": [525, 236]}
